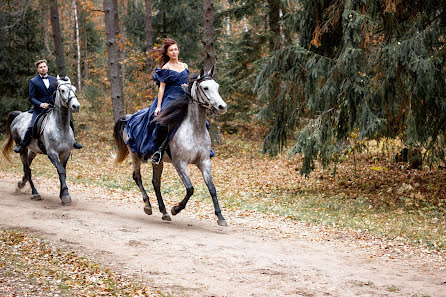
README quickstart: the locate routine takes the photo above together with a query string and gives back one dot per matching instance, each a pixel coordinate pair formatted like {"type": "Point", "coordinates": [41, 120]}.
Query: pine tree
{"type": "Point", "coordinates": [370, 66]}
{"type": "Point", "coordinates": [252, 37]}
{"type": "Point", "coordinates": [21, 45]}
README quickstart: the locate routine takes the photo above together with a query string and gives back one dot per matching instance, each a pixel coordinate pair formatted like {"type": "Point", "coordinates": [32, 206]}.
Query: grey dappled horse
{"type": "Point", "coordinates": [57, 137]}
{"type": "Point", "coordinates": [191, 143]}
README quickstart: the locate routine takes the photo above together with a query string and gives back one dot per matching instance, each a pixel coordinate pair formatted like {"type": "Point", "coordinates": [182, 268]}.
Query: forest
{"type": "Point", "coordinates": [336, 109]}
{"type": "Point", "coordinates": [313, 73]}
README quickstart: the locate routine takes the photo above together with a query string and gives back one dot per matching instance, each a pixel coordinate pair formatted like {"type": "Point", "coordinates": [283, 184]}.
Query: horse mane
{"type": "Point", "coordinates": [175, 113]}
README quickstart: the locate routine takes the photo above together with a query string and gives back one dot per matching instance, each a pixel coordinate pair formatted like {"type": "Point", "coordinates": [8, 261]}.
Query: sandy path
{"type": "Point", "coordinates": [195, 257]}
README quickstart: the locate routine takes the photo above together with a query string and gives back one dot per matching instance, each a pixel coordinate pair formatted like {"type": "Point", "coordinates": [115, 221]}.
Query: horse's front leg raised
{"type": "Point", "coordinates": [156, 182]}
{"type": "Point", "coordinates": [205, 167]}
{"type": "Point", "coordinates": [138, 180]}
{"type": "Point", "coordinates": [54, 158]}
{"type": "Point", "coordinates": [183, 172]}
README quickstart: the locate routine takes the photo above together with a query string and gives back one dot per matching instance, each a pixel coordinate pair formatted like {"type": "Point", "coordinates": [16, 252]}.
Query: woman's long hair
{"type": "Point", "coordinates": [166, 43]}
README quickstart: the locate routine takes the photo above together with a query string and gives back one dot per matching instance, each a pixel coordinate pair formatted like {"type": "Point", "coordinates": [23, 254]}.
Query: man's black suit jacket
{"type": "Point", "coordinates": [38, 93]}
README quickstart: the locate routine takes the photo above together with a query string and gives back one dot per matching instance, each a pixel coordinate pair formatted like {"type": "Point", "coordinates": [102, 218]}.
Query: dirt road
{"type": "Point", "coordinates": [257, 255]}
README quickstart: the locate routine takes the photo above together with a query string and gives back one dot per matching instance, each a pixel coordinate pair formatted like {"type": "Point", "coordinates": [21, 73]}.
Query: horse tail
{"type": "Point", "coordinates": [174, 113]}
{"type": "Point", "coordinates": [117, 133]}
{"type": "Point", "coordinates": [6, 148]}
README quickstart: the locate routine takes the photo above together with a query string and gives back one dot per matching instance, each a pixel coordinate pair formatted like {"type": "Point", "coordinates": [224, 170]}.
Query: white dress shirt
{"type": "Point", "coordinates": [46, 81]}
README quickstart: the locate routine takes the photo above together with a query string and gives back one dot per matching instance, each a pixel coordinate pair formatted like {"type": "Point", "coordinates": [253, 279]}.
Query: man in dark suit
{"type": "Point", "coordinates": [42, 88]}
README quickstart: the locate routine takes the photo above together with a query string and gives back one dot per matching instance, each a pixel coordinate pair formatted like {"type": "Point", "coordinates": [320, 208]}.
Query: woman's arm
{"type": "Point", "coordinates": [160, 98]}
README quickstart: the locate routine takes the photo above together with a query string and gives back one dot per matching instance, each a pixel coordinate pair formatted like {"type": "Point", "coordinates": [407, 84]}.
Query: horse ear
{"type": "Point", "coordinates": [58, 77]}
{"type": "Point", "coordinates": [201, 73]}
{"type": "Point", "coordinates": [211, 72]}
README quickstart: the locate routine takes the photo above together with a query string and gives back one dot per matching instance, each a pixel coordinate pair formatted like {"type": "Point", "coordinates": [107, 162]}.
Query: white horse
{"type": "Point", "coordinates": [191, 143]}
{"type": "Point", "coordinates": [56, 140]}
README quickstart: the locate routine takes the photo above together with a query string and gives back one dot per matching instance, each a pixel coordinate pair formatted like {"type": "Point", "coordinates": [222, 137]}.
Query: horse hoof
{"type": "Point", "coordinates": [148, 210]}
{"type": "Point", "coordinates": [166, 217]}
{"type": "Point", "coordinates": [174, 211]}
{"type": "Point", "coordinates": [36, 197]}
{"type": "Point", "coordinates": [222, 223]}
{"type": "Point", "coordinates": [20, 185]}
{"type": "Point", "coordinates": [66, 200]}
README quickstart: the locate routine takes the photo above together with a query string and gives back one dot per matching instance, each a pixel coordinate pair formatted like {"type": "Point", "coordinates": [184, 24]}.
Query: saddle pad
{"type": "Point", "coordinates": [40, 123]}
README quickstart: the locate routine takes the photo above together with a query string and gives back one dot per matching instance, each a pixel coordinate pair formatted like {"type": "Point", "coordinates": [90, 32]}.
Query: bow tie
{"type": "Point", "coordinates": [45, 77]}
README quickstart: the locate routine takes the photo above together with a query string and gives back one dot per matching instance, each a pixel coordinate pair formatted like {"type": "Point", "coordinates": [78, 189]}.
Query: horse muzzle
{"type": "Point", "coordinates": [221, 108]}
{"type": "Point", "coordinates": [75, 107]}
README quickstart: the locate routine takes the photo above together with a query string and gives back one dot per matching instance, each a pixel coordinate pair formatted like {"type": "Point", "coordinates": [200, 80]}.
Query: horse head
{"type": "Point", "coordinates": [66, 94]}
{"type": "Point", "coordinates": [205, 92]}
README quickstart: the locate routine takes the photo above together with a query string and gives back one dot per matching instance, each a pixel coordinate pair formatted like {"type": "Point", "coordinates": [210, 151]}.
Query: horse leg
{"type": "Point", "coordinates": [183, 172]}
{"type": "Point", "coordinates": [156, 182]}
{"type": "Point", "coordinates": [64, 158]}
{"type": "Point", "coordinates": [137, 178]}
{"type": "Point", "coordinates": [27, 159]}
{"type": "Point", "coordinates": [54, 158]}
{"type": "Point", "coordinates": [36, 195]}
{"type": "Point", "coordinates": [26, 169]}
{"type": "Point", "coordinates": [205, 168]}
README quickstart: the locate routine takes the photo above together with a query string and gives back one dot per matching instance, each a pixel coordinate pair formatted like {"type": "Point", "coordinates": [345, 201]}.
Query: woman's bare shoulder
{"type": "Point", "coordinates": [185, 66]}
{"type": "Point", "coordinates": [165, 66]}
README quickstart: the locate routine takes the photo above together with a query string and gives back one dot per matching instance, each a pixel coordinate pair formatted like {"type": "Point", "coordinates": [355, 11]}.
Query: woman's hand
{"type": "Point", "coordinates": [157, 111]}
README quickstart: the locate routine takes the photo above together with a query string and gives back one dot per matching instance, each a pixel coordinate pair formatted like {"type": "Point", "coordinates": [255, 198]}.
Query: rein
{"type": "Point", "coordinates": [64, 104]}
{"type": "Point", "coordinates": [200, 97]}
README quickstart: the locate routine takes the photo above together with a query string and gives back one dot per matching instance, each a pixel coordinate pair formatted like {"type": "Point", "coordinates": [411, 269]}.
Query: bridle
{"type": "Point", "coordinates": [63, 103]}
{"type": "Point", "coordinates": [200, 97]}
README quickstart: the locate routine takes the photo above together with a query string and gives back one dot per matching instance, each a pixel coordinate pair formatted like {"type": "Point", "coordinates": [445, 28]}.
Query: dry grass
{"type": "Point", "coordinates": [31, 267]}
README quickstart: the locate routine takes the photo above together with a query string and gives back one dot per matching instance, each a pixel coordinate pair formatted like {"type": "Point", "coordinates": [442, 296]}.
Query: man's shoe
{"type": "Point", "coordinates": [77, 146]}
{"type": "Point", "coordinates": [17, 148]}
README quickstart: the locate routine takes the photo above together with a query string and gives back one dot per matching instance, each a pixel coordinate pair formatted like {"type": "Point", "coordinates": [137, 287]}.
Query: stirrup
{"type": "Point", "coordinates": [17, 148]}
{"type": "Point", "coordinates": [153, 160]}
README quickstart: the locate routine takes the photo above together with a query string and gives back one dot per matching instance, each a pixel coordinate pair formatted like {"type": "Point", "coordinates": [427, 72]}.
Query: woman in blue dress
{"type": "Point", "coordinates": [145, 136]}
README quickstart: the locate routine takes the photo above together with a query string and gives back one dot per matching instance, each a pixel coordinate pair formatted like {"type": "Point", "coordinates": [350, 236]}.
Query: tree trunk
{"type": "Point", "coordinates": [84, 31]}
{"type": "Point", "coordinates": [57, 37]}
{"type": "Point", "coordinates": [208, 34]}
{"type": "Point", "coordinates": [149, 36]}
{"type": "Point", "coordinates": [274, 24]}
{"type": "Point", "coordinates": [125, 12]}
{"type": "Point", "coordinates": [44, 10]}
{"type": "Point", "coordinates": [86, 71]}
{"type": "Point", "coordinates": [209, 57]}
{"type": "Point", "coordinates": [78, 46]}
{"type": "Point", "coordinates": [114, 70]}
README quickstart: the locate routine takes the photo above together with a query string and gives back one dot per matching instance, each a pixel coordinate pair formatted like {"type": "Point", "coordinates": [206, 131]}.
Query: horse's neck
{"type": "Point", "coordinates": [61, 115]}
{"type": "Point", "coordinates": [196, 116]}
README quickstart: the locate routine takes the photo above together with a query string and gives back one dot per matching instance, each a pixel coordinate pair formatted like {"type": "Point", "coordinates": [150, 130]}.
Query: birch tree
{"type": "Point", "coordinates": [78, 45]}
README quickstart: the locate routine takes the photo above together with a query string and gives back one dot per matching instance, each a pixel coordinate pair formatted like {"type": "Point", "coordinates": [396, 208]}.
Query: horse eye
{"type": "Point", "coordinates": [206, 88]}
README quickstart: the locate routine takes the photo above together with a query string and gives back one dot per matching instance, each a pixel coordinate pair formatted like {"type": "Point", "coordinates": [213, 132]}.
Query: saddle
{"type": "Point", "coordinates": [40, 123]}
{"type": "Point", "coordinates": [39, 126]}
